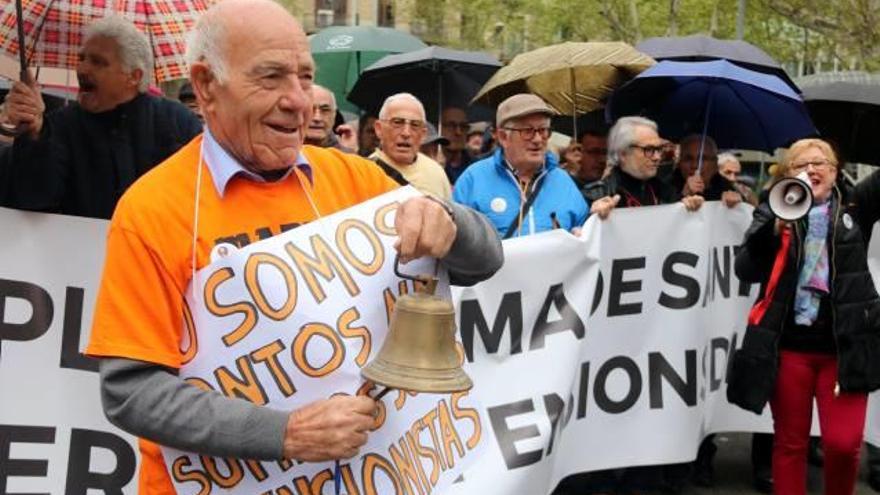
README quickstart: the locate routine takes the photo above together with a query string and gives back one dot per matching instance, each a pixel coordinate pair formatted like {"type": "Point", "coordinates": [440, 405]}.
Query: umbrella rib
{"type": "Point", "coordinates": [761, 124]}
{"type": "Point", "coordinates": [38, 32]}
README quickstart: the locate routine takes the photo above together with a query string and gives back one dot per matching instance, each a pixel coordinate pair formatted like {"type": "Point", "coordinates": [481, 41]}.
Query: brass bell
{"type": "Point", "coordinates": [419, 354]}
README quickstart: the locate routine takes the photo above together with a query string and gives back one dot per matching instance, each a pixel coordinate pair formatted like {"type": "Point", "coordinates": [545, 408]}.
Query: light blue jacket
{"type": "Point", "coordinates": [489, 187]}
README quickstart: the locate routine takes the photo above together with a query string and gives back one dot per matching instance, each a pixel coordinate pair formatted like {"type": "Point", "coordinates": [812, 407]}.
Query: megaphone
{"type": "Point", "coordinates": [791, 198]}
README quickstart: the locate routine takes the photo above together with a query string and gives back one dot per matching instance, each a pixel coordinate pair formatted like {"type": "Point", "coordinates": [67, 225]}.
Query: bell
{"type": "Point", "coordinates": [418, 354]}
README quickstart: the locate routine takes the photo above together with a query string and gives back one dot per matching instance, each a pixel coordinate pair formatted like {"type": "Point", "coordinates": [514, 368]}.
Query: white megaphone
{"type": "Point", "coordinates": [792, 197]}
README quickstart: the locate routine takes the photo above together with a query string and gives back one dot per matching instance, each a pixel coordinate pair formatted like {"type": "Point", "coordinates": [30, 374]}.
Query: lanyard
{"type": "Point", "coordinates": [632, 201]}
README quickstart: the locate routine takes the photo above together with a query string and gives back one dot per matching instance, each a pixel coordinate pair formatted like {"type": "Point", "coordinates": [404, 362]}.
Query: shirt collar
{"type": "Point", "coordinates": [224, 167]}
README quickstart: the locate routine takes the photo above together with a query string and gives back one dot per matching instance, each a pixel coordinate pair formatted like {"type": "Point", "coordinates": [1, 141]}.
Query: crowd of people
{"type": "Point", "coordinates": [251, 120]}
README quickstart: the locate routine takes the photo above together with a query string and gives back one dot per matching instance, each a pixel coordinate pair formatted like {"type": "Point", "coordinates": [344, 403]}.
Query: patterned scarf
{"type": "Point", "coordinates": [813, 279]}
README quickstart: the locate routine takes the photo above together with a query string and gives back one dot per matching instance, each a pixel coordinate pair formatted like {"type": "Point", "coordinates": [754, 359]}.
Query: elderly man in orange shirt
{"type": "Point", "coordinates": [247, 176]}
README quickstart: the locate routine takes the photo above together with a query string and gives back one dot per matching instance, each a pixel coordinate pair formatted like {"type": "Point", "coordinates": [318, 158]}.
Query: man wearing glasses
{"type": "Point", "coordinates": [401, 128]}
{"type": "Point", "coordinates": [635, 150]}
{"type": "Point", "coordinates": [454, 127]}
{"type": "Point", "coordinates": [520, 187]}
{"type": "Point", "coordinates": [320, 131]}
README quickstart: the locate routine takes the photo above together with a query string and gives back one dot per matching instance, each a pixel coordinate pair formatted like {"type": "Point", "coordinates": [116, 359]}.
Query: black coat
{"type": "Point", "coordinates": [632, 191]}
{"type": "Point", "coordinates": [83, 162]}
{"type": "Point", "coordinates": [855, 306]}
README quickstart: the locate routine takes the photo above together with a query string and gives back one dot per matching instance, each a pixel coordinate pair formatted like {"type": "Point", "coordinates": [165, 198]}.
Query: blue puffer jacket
{"type": "Point", "coordinates": [490, 188]}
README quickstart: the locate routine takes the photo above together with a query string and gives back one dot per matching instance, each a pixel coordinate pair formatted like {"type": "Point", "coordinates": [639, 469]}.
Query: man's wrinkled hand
{"type": "Point", "coordinates": [731, 198]}
{"type": "Point", "coordinates": [24, 106]}
{"type": "Point", "coordinates": [693, 202]}
{"type": "Point", "coordinates": [603, 206]}
{"type": "Point", "coordinates": [424, 228]}
{"type": "Point", "coordinates": [329, 429]}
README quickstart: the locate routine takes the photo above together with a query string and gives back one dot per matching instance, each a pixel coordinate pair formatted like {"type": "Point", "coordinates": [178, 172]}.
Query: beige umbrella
{"type": "Point", "coordinates": [573, 78]}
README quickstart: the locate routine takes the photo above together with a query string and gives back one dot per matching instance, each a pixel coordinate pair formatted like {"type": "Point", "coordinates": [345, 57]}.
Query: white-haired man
{"type": "Point", "coordinates": [80, 159]}
{"type": "Point", "coordinates": [402, 128]}
{"type": "Point", "coordinates": [634, 152]}
{"type": "Point", "coordinates": [249, 174]}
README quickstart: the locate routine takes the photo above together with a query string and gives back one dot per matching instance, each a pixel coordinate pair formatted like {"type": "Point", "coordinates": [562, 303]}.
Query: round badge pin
{"type": "Point", "coordinates": [847, 221]}
{"type": "Point", "coordinates": [222, 250]}
{"type": "Point", "coordinates": [498, 205]}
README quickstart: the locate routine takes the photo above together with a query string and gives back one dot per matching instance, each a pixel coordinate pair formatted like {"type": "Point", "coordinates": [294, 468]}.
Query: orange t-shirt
{"type": "Point", "coordinates": [139, 311]}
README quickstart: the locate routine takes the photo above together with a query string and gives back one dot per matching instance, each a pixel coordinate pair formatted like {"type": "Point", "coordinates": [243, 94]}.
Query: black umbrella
{"type": "Point", "coordinates": [437, 76]}
{"type": "Point", "coordinates": [700, 48]}
{"type": "Point", "coordinates": [845, 107]}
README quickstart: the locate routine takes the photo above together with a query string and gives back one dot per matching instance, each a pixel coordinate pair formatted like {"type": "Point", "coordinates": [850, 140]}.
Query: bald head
{"type": "Point", "coordinates": [219, 28]}
{"type": "Point", "coordinates": [248, 81]}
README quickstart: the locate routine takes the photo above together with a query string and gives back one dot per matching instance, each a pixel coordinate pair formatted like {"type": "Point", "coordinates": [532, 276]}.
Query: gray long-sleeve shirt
{"type": "Point", "coordinates": [152, 402]}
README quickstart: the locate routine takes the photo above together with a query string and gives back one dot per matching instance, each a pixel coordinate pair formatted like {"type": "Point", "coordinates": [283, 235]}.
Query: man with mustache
{"type": "Point", "coordinates": [401, 129]}
{"type": "Point", "coordinates": [80, 159]}
{"type": "Point", "coordinates": [521, 187]}
{"type": "Point", "coordinates": [248, 174]}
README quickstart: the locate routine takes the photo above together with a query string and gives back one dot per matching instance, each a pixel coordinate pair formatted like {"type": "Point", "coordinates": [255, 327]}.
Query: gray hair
{"type": "Point", "coordinates": [383, 112]}
{"type": "Point", "coordinates": [204, 45]}
{"type": "Point", "coordinates": [623, 134]}
{"type": "Point", "coordinates": [332, 96]}
{"type": "Point", "coordinates": [133, 47]}
{"type": "Point", "coordinates": [727, 157]}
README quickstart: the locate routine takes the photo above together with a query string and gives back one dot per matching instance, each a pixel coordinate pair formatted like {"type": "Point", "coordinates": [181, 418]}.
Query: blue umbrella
{"type": "Point", "coordinates": [737, 107]}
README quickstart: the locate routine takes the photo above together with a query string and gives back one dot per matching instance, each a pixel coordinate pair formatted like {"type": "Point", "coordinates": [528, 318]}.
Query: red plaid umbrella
{"type": "Point", "coordinates": [54, 30]}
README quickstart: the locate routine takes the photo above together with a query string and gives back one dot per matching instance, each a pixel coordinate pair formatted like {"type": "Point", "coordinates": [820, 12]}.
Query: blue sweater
{"type": "Point", "coordinates": [490, 188]}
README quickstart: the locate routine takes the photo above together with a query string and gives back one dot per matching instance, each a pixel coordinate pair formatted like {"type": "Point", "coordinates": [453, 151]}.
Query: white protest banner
{"type": "Point", "coordinates": [53, 435]}
{"type": "Point", "coordinates": [591, 371]}
{"type": "Point", "coordinates": [293, 319]}
{"type": "Point", "coordinates": [640, 384]}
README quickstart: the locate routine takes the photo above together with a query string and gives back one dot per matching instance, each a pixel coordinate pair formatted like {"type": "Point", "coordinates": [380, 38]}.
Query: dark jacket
{"type": "Point", "coordinates": [632, 191]}
{"type": "Point", "coordinates": [83, 162]}
{"type": "Point", "coordinates": [855, 307]}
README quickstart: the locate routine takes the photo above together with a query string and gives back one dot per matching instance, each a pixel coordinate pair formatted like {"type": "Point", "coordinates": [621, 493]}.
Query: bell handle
{"type": "Point", "coordinates": [425, 283]}
{"type": "Point", "coordinates": [383, 393]}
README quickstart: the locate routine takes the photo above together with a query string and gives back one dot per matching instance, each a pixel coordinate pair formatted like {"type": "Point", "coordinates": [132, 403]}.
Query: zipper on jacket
{"type": "Point", "coordinates": [523, 197]}
{"type": "Point", "coordinates": [831, 278]}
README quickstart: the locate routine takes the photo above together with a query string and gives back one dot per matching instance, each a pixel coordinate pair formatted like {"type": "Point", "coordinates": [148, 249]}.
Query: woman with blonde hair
{"type": "Point", "coordinates": [815, 332]}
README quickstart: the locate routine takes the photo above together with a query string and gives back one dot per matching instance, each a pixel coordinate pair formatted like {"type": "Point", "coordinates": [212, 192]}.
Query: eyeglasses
{"type": "Point", "coordinates": [323, 109]}
{"type": "Point", "coordinates": [400, 123]}
{"type": "Point", "coordinates": [528, 133]}
{"type": "Point", "coordinates": [649, 151]}
{"type": "Point", "coordinates": [817, 165]}
{"type": "Point", "coordinates": [460, 126]}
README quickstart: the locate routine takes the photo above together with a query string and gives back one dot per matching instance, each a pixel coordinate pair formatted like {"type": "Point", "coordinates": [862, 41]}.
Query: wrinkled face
{"type": "Point", "coordinates": [730, 170]}
{"type": "Point", "coordinates": [820, 170]}
{"type": "Point", "coordinates": [323, 116]}
{"type": "Point", "coordinates": [689, 159]}
{"type": "Point", "coordinates": [524, 141]}
{"type": "Point", "coordinates": [402, 131]}
{"type": "Point", "coordinates": [455, 126]}
{"type": "Point", "coordinates": [104, 83]}
{"type": "Point", "coordinates": [593, 157]}
{"type": "Point", "coordinates": [260, 113]}
{"type": "Point", "coordinates": [642, 158]}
